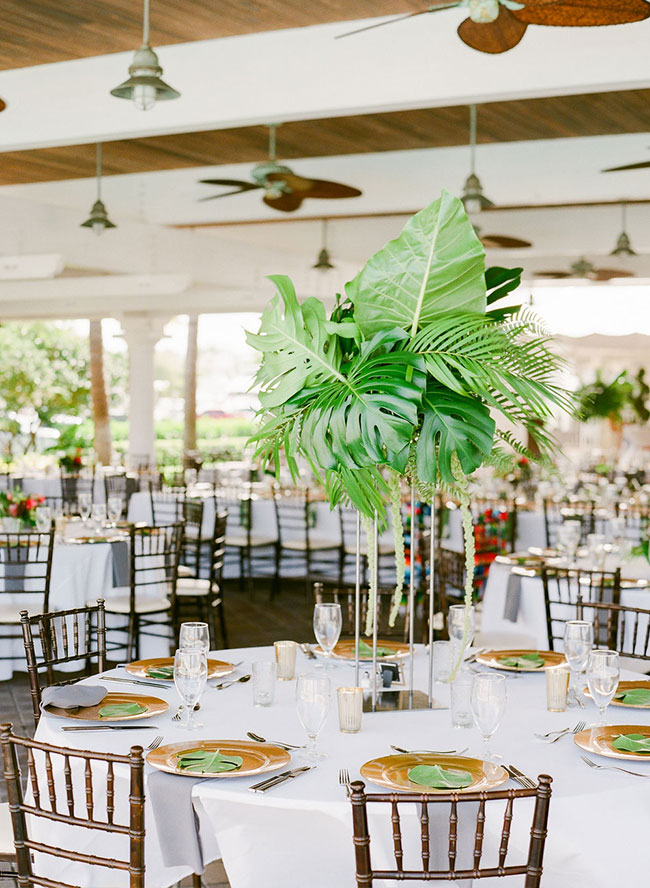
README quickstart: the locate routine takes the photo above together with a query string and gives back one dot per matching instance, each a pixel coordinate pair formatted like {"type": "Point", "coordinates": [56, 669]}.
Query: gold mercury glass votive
{"type": "Point", "coordinates": [285, 657]}
{"type": "Point", "coordinates": [557, 687]}
{"type": "Point", "coordinates": [350, 702]}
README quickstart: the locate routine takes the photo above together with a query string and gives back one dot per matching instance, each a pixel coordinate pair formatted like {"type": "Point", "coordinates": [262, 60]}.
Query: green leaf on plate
{"type": "Point", "coordinates": [439, 778]}
{"type": "Point", "coordinates": [160, 672]}
{"type": "Point", "coordinates": [366, 650]}
{"type": "Point", "coordinates": [635, 697]}
{"type": "Point", "coordinates": [632, 743]}
{"type": "Point", "coordinates": [207, 761]}
{"type": "Point", "coordinates": [115, 710]}
{"type": "Point", "coordinates": [523, 661]}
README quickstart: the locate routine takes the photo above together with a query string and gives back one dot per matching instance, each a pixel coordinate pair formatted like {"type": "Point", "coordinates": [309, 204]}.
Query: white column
{"type": "Point", "coordinates": [142, 330]}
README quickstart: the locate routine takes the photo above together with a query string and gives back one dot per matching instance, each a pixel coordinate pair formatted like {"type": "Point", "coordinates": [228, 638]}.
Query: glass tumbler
{"type": "Point", "coordinates": [264, 674]}
{"type": "Point", "coordinates": [285, 657]}
{"type": "Point", "coordinates": [441, 661]}
{"type": "Point", "coordinates": [461, 702]}
{"type": "Point", "coordinates": [350, 702]}
{"type": "Point", "coordinates": [557, 688]}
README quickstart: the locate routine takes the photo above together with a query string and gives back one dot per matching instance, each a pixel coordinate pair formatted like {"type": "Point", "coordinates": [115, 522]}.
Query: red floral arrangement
{"type": "Point", "coordinates": [16, 504]}
{"type": "Point", "coordinates": [72, 461]}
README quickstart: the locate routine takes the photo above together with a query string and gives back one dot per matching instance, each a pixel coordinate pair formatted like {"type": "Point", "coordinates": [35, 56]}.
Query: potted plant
{"type": "Point", "coordinates": [400, 381]}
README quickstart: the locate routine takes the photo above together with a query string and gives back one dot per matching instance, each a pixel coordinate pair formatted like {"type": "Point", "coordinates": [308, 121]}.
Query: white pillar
{"type": "Point", "coordinates": [142, 331]}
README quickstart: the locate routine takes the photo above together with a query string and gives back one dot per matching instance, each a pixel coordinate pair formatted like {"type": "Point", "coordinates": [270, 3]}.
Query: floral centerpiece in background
{"type": "Point", "coordinates": [20, 506]}
{"type": "Point", "coordinates": [72, 462]}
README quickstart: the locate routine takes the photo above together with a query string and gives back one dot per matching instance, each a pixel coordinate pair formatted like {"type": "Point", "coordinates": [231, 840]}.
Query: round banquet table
{"type": "Point", "coordinates": [300, 833]}
{"type": "Point", "coordinates": [50, 485]}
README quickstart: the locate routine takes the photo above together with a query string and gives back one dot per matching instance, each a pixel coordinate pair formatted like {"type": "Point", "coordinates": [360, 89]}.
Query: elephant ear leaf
{"type": "Point", "coordinates": [297, 351]}
{"type": "Point", "coordinates": [452, 423]}
{"type": "Point", "coordinates": [437, 264]}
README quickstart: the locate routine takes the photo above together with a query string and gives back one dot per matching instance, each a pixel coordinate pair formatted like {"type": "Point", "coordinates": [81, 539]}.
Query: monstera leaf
{"type": "Point", "coordinates": [437, 264]}
{"type": "Point", "coordinates": [452, 423]}
{"type": "Point", "coordinates": [296, 346]}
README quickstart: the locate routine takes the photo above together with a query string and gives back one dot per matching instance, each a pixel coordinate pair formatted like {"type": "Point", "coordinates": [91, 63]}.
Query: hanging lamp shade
{"type": "Point", "coordinates": [472, 197]}
{"type": "Point", "coordinates": [623, 245]}
{"type": "Point", "coordinates": [144, 86]}
{"type": "Point", "coordinates": [324, 261]}
{"type": "Point", "coordinates": [98, 220]}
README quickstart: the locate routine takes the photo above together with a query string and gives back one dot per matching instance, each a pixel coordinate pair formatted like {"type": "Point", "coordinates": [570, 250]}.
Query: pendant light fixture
{"type": "Point", "coordinates": [473, 198]}
{"type": "Point", "coordinates": [144, 86]}
{"type": "Point", "coordinates": [323, 263]}
{"type": "Point", "coordinates": [98, 219]}
{"type": "Point", "coordinates": [623, 246]}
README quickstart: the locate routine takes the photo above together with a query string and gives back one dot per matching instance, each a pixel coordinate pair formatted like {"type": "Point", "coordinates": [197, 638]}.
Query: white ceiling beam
{"type": "Point", "coordinates": [305, 74]}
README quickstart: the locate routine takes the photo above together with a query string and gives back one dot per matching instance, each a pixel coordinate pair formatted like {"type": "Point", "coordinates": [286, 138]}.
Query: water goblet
{"type": "Point", "coordinates": [43, 518]}
{"type": "Point", "coordinates": [456, 627]}
{"type": "Point", "coordinates": [328, 622]}
{"type": "Point", "coordinates": [313, 696]}
{"type": "Point", "coordinates": [98, 515]}
{"type": "Point", "coordinates": [194, 636]}
{"type": "Point", "coordinates": [603, 674]}
{"type": "Point", "coordinates": [114, 508]}
{"type": "Point", "coordinates": [597, 550]}
{"type": "Point", "coordinates": [488, 700]}
{"type": "Point", "coordinates": [85, 504]}
{"type": "Point", "coordinates": [190, 675]}
{"type": "Point", "coordinates": [578, 642]}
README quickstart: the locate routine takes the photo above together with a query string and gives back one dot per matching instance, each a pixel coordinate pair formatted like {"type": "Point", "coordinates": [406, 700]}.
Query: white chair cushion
{"type": "Point", "coordinates": [240, 541]}
{"type": "Point", "coordinates": [6, 831]}
{"type": "Point", "coordinates": [192, 586]}
{"type": "Point", "coordinates": [120, 604]}
{"type": "Point", "coordinates": [185, 571]}
{"type": "Point", "coordinates": [314, 544]}
{"type": "Point", "coordinates": [10, 613]}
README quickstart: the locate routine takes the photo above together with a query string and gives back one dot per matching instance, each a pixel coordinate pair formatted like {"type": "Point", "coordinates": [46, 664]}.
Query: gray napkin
{"type": "Point", "coordinates": [73, 696]}
{"type": "Point", "coordinates": [13, 574]}
{"type": "Point", "coordinates": [121, 568]}
{"type": "Point", "coordinates": [513, 595]}
{"type": "Point", "coordinates": [176, 819]}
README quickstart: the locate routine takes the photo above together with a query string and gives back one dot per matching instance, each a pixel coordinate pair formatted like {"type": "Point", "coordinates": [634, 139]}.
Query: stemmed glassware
{"type": "Point", "coordinates": [603, 674]}
{"type": "Point", "coordinates": [456, 626]}
{"type": "Point", "coordinates": [99, 515]}
{"type": "Point", "coordinates": [488, 701]}
{"type": "Point", "coordinates": [578, 642]}
{"type": "Point", "coordinates": [190, 675]}
{"type": "Point", "coordinates": [328, 622]}
{"type": "Point", "coordinates": [568, 537]}
{"type": "Point", "coordinates": [313, 697]}
{"type": "Point", "coordinates": [194, 636]}
{"type": "Point", "coordinates": [114, 508]}
{"type": "Point", "coordinates": [43, 518]}
{"type": "Point", "coordinates": [85, 504]}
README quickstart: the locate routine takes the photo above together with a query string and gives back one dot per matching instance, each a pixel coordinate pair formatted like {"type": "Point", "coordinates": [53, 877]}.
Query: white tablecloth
{"type": "Point", "coordinates": [598, 825]}
{"type": "Point", "coordinates": [42, 485]}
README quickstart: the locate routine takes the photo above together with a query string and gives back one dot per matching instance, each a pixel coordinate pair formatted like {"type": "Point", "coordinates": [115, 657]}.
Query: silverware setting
{"type": "Point", "coordinates": [520, 778]}
{"type": "Point", "coordinates": [280, 743]}
{"type": "Point", "coordinates": [549, 738]}
{"type": "Point", "coordinates": [429, 751]}
{"type": "Point", "coordinates": [265, 785]}
{"type": "Point", "coordinates": [233, 681]}
{"type": "Point", "coordinates": [472, 657]}
{"type": "Point", "coordinates": [111, 728]}
{"type": "Point", "coordinates": [136, 681]}
{"type": "Point", "coordinates": [598, 767]}
{"type": "Point", "coordinates": [344, 780]}
{"type": "Point", "coordinates": [155, 743]}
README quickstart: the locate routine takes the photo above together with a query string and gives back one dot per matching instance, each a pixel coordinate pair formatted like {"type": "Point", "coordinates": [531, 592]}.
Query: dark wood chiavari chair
{"type": "Point", "coordinates": [70, 636]}
{"type": "Point", "coordinates": [25, 570]}
{"type": "Point", "coordinates": [334, 593]}
{"type": "Point", "coordinates": [72, 484]}
{"type": "Point", "coordinates": [556, 514]}
{"type": "Point", "coordinates": [448, 584]}
{"type": "Point", "coordinates": [618, 627]}
{"type": "Point", "coordinates": [153, 572]}
{"type": "Point", "coordinates": [123, 486]}
{"type": "Point", "coordinates": [166, 505]}
{"type": "Point", "coordinates": [206, 595]}
{"type": "Point", "coordinates": [348, 551]}
{"type": "Point", "coordinates": [637, 521]}
{"type": "Point", "coordinates": [81, 781]}
{"type": "Point", "coordinates": [255, 554]}
{"type": "Point", "coordinates": [298, 545]}
{"type": "Point", "coordinates": [191, 546]}
{"type": "Point", "coordinates": [562, 588]}
{"type": "Point", "coordinates": [531, 868]}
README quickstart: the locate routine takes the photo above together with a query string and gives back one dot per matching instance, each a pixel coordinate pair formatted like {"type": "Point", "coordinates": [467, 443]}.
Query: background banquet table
{"type": "Point", "coordinates": [44, 485]}
{"type": "Point", "coordinates": [300, 833]}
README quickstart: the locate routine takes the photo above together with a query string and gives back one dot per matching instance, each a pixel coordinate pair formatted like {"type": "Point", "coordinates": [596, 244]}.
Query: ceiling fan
{"type": "Point", "coordinates": [628, 166]}
{"type": "Point", "coordinates": [585, 269]}
{"type": "Point", "coordinates": [283, 189]}
{"type": "Point", "coordinates": [501, 241]}
{"type": "Point", "coordinates": [496, 26]}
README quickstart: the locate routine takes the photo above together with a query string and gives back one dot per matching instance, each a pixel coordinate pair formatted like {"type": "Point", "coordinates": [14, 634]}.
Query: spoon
{"type": "Point", "coordinates": [234, 681]}
{"type": "Point", "coordinates": [259, 739]}
{"type": "Point", "coordinates": [429, 751]}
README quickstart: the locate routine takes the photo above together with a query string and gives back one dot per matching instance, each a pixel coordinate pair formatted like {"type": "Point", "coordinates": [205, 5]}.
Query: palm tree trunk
{"type": "Point", "coordinates": [189, 441]}
{"type": "Point", "coordinates": [103, 443]}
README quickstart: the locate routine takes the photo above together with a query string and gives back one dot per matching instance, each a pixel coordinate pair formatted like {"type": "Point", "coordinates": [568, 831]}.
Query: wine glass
{"type": "Point", "coordinates": [190, 675]}
{"type": "Point", "coordinates": [114, 508]}
{"type": "Point", "coordinates": [98, 514]}
{"type": "Point", "coordinates": [456, 627]}
{"type": "Point", "coordinates": [43, 518]}
{"type": "Point", "coordinates": [488, 701]}
{"type": "Point", "coordinates": [328, 621]}
{"type": "Point", "coordinates": [597, 550]}
{"type": "Point", "coordinates": [603, 674]}
{"type": "Point", "coordinates": [313, 692]}
{"type": "Point", "coordinates": [578, 642]}
{"type": "Point", "coordinates": [85, 503]}
{"type": "Point", "coordinates": [569, 534]}
{"type": "Point", "coordinates": [195, 637]}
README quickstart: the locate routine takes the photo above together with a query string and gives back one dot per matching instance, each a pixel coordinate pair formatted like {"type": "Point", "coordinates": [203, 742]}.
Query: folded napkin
{"type": "Point", "coordinates": [115, 710]}
{"type": "Point", "coordinates": [73, 696]}
{"type": "Point", "coordinates": [632, 743]}
{"type": "Point", "coordinates": [366, 650]}
{"type": "Point", "coordinates": [439, 778]}
{"type": "Point", "coordinates": [161, 671]}
{"type": "Point", "coordinates": [523, 661]}
{"type": "Point", "coordinates": [208, 761]}
{"type": "Point", "coordinates": [176, 820]}
{"type": "Point", "coordinates": [635, 697]}
{"type": "Point", "coordinates": [513, 597]}
{"type": "Point", "coordinates": [121, 569]}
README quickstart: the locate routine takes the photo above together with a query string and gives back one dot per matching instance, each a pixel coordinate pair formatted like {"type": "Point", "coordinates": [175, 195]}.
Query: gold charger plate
{"type": "Point", "coordinates": [344, 650]}
{"type": "Point", "coordinates": [520, 559]}
{"type": "Point", "coordinates": [257, 757]}
{"type": "Point", "coordinates": [391, 771]}
{"type": "Point", "coordinates": [627, 686]}
{"type": "Point", "coordinates": [154, 705]}
{"type": "Point", "coordinates": [599, 740]}
{"type": "Point", "coordinates": [493, 659]}
{"type": "Point", "coordinates": [216, 668]}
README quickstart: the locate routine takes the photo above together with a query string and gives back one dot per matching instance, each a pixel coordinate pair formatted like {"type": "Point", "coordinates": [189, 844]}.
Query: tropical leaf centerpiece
{"type": "Point", "coordinates": [403, 378]}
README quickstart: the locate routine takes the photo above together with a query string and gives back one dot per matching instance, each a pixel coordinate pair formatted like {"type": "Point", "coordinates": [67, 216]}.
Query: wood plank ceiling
{"type": "Point", "coordinates": [549, 118]}
{"type": "Point", "coordinates": [35, 32]}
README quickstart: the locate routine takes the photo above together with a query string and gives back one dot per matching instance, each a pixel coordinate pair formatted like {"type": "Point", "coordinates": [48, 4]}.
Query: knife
{"type": "Point", "coordinates": [112, 728]}
{"type": "Point", "coordinates": [136, 681]}
{"type": "Point", "coordinates": [279, 778]}
{"type": "Point", "coordinates": [521, 778]}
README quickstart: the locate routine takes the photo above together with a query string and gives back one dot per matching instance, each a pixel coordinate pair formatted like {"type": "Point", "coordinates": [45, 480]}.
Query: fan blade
{"type": "Point", "coordinates": [583, 13]}
{"type": "Point", "coordinates": [608, 274]}
{"type": "Point", "coordinates": [319, 188]}
{"type": "Point", "coordinates": [287, 203]}
{"type": "Point", "coordinates": [400, 18]}
{"type": "Point", "coordinates": [503, 241]}
{"type": "Point", "coordinates": [628, 166]}
{"type": "Point", "coordinates": [553, 274]}
{"type": "Point", "coordinates": [502, 34]}
{"type": "Point", "coordinates": [235, 183]}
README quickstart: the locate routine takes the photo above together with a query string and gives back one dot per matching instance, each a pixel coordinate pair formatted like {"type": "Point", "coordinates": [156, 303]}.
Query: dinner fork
{"type": "Point", "coordinates": [344, 780]}
{"type": "Point", "coordinates": [598, 767]}
{"type": "Point", "coordinates": [155, 743]}
{"type": "Point", "coordinates": [579, 726]}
